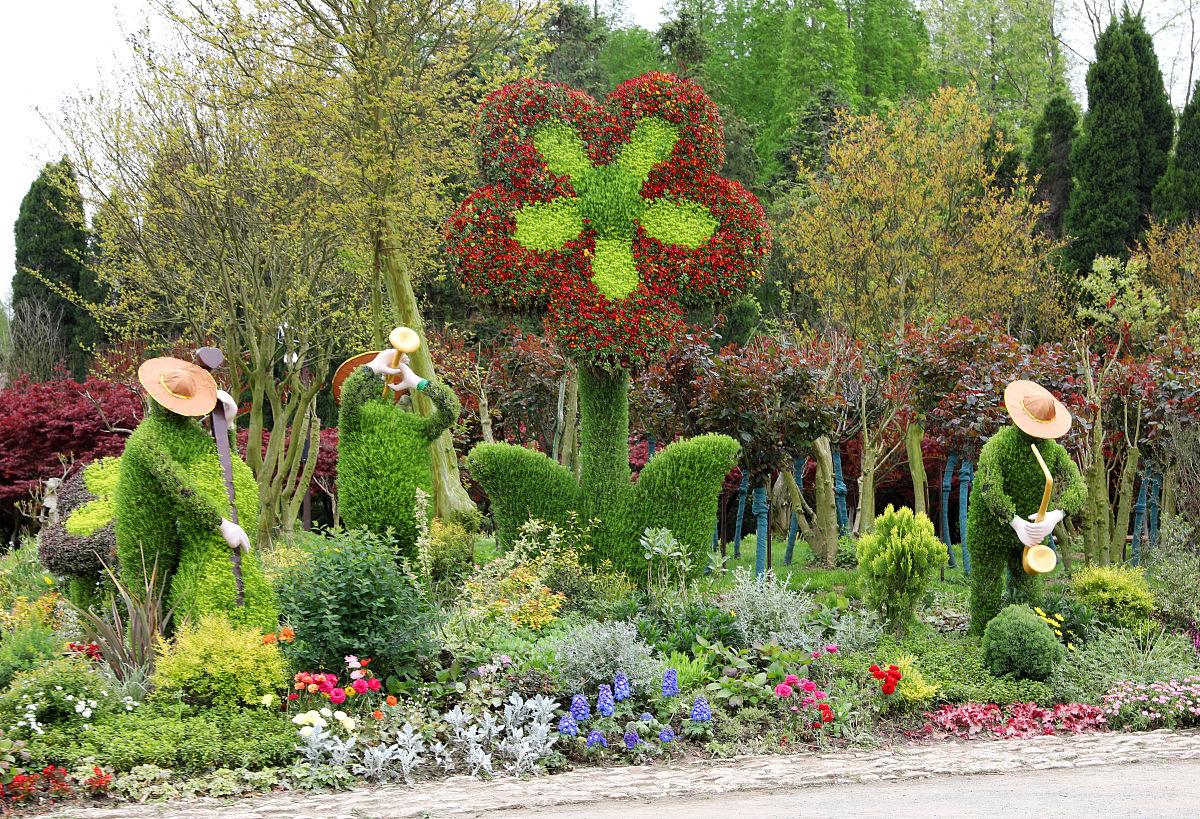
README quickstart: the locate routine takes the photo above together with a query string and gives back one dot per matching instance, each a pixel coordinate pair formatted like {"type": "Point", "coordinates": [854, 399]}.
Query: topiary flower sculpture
{"type": "Point", "coordinates": [610, 218]}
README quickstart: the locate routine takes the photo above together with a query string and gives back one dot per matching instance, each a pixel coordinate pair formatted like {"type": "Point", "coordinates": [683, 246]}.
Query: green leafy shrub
{"type": "Point", "coordinates": [954, 664]}
{"type": "Point", "coordinates": [913, 688]}
{"type": "Point", "coordinates": [766, 609]}
{"type": "Point", "coordinates": [178, 738]}
{"type": "Point", "coordinates": [1173, 569]}
{"type": "Point", "coordinates": [1019, 642]}
{"type": "Point", "coordinates": [451, 551]}
{"type": "Point", "coordinates": [216, 663]}
{"type": "Point", "coordinates": [590, 654]}
{"type": "Point", "coordinates": [1119, 593]}
{"type": "Point", "coordinates": [350, 597]}
{"type": "Point", "coordinates": [847, 553]}
{"type": "Point", "coordinates": [896, 561]}
{"type": "Point", "coordinates": [30, 644]}
{"type": "Point", "coordinates": [1119, 655]}
{"type": "Point", "coordinates": [66, 693]}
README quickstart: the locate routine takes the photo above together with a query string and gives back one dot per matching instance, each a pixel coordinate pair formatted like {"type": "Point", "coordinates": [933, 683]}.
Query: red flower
{"type": "Point", "coordinates": [827, 716]}
{"type": "Point", "coordinates": [374, 684]}
{"type": "Point", "coordinates": [889, 687]}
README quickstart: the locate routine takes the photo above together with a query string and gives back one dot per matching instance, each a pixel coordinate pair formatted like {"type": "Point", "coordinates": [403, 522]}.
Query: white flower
{"type": "Point", "coordinates": [267, 699]}
{"type": "Point", "coordinates": [307, 731]}
{"type": "Point", "coordinates": [348, 723]}
{"type": "Point", "coordinates": [325, 712]}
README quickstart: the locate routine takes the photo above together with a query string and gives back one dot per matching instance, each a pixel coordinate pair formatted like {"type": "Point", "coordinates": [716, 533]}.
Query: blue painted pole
{"type": "Point", "coordinates": [741, 510]}
{"type": "Point", "coordinates": [794, 524]}
{"type": "Point", "coordinates": [947, 480]}
{"type": "Point", "coordinates": [762, 537]}
{"type": "Point", "coordinates": [649, 447]}
{"type": "Point", "coordinates": [1139, 517]}
{"type": "Point", "coordinates": [839, 492]}
{"type": "Point", "coordinates": [1153, 504]}
{"type": "Point", "coordinates": [966, 474]}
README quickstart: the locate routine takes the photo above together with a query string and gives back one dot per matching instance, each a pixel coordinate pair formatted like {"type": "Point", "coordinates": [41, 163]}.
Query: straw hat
{"type": "Point", "coordinates": [347, 369]}
{"type": "Point", "coordinates": [179, 386]}
{"type": "Point", "coordinates": [1035, 411]}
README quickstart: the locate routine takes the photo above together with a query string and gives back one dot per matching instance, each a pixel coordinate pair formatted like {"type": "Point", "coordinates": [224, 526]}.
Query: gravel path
{"type": "Point", "coordinates": [592, 791]}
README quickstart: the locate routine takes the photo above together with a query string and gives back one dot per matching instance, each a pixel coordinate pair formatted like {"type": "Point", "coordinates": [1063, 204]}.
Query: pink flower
{"type": "Point", "coordinates": [351, 661]}
{"type": "Point", "coordinates": [794, 708]}
{"type": "Point", "coordinates": [325, 686]}
{"type": "Point", "coordinates": [360, 686]}
{"type": "Point", "coordinates": [374, 684]}
{"type": "Point", "coordinates": [783, 690]}
{"type": "Point", "coordinates": [820, 695]}
{"type": "Point", "coordinates": [791, 679]}
{"type": "Point", "coordinates": [816, 655]}
{"type": "Point", "coordinates": [337, 696]}
{"type": "Point", "coordinates": [807, 701]}
{"type": "Point", "coordinates": [293, 696]}
{"type": "Point", "coordinates": [357, 674]}
{"type": "Point", "coordinates": [831, 648]}
{"type": "Point", "coordinates": [808, 685]}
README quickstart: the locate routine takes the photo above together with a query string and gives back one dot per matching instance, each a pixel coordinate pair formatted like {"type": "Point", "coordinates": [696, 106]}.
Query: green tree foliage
{"type": "Point", "coordinates": [51, 247]}
{"type": "Point", "coordinates": [631, 52]}
{"type": "Point", "coordinates": [1049, 161]}
{"type": "Point", "coordinates": [1122, 150]}
{"type": "Point", "coordinates": [577, 38]}
{"type": "Point", "coordinates": [1177, 195]}
{"type": "Point", "coordinates": [891, 49]}
{"type": "Point", "coordinates": [896, 562]}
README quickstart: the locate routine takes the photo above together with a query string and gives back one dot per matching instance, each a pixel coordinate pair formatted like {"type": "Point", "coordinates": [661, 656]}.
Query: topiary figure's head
{"type": "Point", "coordinates": [609, 217]}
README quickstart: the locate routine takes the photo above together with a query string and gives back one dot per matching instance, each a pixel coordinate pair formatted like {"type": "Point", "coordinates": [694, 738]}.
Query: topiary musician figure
{"type": "Point", "coordinates": [1008, 517]}
{"type": "Point", "coordinates": [609, 217]}
{"type": "Point", "coordinates": [171, 505]}
{"type": "Point", "coordinates": [383, 450]}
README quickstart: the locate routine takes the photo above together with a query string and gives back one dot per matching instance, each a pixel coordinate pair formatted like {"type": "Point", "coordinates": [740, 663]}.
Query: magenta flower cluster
{"type": "Point", "coordinates": [1163, 704]}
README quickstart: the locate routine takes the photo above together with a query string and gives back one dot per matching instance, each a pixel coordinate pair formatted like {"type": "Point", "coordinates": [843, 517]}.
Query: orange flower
{"type": "Point", "coordinates": [299, 686]}
{"type": "Point", "coordinates": [313, 688]}
{"type": "Point", "coordinates": [391, 700]}
{"type": "Point", "coordinates": [377, 714]}
{"type": "Point", "coordinates": [269, 638]}
{"type": "Point", "coordinates": [363, 663]}
{"type": "Point", "coordinates": [287, 635]}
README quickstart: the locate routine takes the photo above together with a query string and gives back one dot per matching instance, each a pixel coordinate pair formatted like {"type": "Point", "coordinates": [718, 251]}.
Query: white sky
{"type": "Point", "coordinates": [52, 48]}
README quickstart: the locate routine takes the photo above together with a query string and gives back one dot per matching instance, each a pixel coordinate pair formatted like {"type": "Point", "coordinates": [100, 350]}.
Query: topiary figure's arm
{"type": "Point", "coordinates": [989, 481]}
{"type": "Point", "coordinates": [1073, 488]}
{"type": "Point", "coordinates": [194, 510]}
{"type": "Point", "coordinates": [358, 389]}
{"type": "Point", "coordinates": [446, 408]}
{"type": "Point", "coordinates": [678, 489]}
{"type": "Point", "coordinates": [522, 484]}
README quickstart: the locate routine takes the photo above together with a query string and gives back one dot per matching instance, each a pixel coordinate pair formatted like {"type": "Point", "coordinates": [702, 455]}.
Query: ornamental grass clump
{"type": "Point", "coordinates": [896, 562]}
{"type": "Point", "coordinates": [1019, 643]}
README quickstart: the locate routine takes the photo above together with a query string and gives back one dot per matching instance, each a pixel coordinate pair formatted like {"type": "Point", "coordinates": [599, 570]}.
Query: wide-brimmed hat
{"type": "Point", "coordinates": [180, 386]}
{"type": "Point", "coordinates": [347, 369]}
{"type": "Point", "coordinates": [1035, 411]}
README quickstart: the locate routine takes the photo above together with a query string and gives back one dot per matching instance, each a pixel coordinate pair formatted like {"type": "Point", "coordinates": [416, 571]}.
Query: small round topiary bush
{"type": "Point", "coordinates": [1117, 592]}
{"type": "Point", "coordinates": [896, 562]}
{"type": "Point", "coordinates": [1018, 642]}
{"type": "Point", "coordinates": [217, 663]}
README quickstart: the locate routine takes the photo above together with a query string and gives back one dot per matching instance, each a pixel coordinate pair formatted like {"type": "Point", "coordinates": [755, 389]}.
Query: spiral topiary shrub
{"type": "Point", "coordinates": [84, 542]}
{"type": "Point", "coordinates": [1119, 593]}
{"type": "Point", "coordinates": [1019, 643]}
{"type": "Point", "coordinates": [896, 562]}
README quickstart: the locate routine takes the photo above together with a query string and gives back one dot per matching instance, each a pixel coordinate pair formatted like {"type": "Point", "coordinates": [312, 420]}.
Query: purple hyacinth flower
{"type": "Point", "coordinates": [666, 735]}
{"type": "Point", "coordinates": [647, 716]}
{"type": "Point", "coordinates": [604, 702]}
{"type": "Point", "coordinates": [670, 686]}
{"type": "Point", "coordinates": [621, 688]}
{"type": "Point", "coordinates": [568, 726]}
{"type": "Point", "coordinates": [579, 708]}
{"type": "Point", "coordinates": [700, 710]}
{"type": "Point", "coordinates": [632, 740]}
{"type": "Point", "coordinates": [594, 738]}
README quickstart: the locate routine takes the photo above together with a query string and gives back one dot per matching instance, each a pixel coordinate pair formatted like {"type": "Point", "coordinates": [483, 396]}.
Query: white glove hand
{"type": "Point", "coordinates": [1024, 533]}
{"type": "Point", "coordinates": [409, 380]}
{"type": "Point", "coordinates": [382, 363]}
{"type": "Point", "coordinates": [1031, 533]}
{"type": "Point", "coordinates": [235, 535]}
{"type": "Point", "coordinates": [230, 408]}
{"type": "Point", "coordinates": [1052, 519]}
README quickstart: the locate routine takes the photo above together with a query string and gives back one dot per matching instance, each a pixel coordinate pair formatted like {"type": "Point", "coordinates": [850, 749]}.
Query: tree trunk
{"type": "Point", "coordinates": [839, 490]}
{"type": "Point", "coordinates": [800, 511]}
{"type": "Point", "coordinates": [1124, 503]}
{"type": "Point", "coordinates": [966, 475]}
{"type": "Point", "coordinates": [914, 434]}
{"type": "Point", "coordinates": [449, 496]}
{"type": "Point", "coordinates": [762, 536]}
{"type": "Point", "coordinates": [741, 509]}
{"type": "Point", "coordinates": [866, 487]}
{"type": "Point", "coordinates": [825, 529]}
{"type": "Point", "coordinates": [947, 482]}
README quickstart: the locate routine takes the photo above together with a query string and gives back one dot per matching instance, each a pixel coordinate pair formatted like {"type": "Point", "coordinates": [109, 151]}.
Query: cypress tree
{"type": "Point", "coordinates": [51, 239]}
{"type": "Point", "coordinates": [1050, 160]}
{"type": "Point", "coordinates": [1122, 150]}
{"type": "Point", "coordinates": [1177, 196]}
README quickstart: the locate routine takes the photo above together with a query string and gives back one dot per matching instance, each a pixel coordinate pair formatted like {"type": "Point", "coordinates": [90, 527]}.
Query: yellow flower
{"type": "Point", "coordinates": [1071, 646]}
{"type": "Point", "coordinates": [1039, 611]}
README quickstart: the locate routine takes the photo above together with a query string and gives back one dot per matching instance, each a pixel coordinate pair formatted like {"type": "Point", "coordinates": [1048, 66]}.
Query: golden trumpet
{"type": "Point", "coordinates": [1040, 559]}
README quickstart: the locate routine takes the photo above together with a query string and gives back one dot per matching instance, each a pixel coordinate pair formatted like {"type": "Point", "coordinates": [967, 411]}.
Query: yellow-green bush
{"type": "Point", "coordinates": [913, 688]}
{"type": "Point", "coordinates": [214, 662]}
{"type": "Point", "coordinates": [896, 561]}
{"type": "Point", "coordinates": [1118, 592]}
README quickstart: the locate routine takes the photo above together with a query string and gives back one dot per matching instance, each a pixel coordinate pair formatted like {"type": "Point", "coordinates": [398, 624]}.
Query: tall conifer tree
{"type": "Point", "coordinates": [51, 239]}
{"type": "Point", "coordinates": [1050, 160]}
{"type": "Point", "coordinates": [1123, 148]}
{"type": "Point", "coordinates": [1177, 196]}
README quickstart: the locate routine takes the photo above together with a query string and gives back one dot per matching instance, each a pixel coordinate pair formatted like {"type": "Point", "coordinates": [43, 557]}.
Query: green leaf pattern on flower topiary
{"type": "Point", "coordinates": [610, 201]}
{"type": "Point", "coordinates": [100, 477]}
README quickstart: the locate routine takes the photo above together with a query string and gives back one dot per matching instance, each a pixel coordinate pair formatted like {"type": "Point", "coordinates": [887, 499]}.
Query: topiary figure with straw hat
{"type": "Point", "coordinates": [383, 450]}
{"type": "Point", "coordinates": [1009, 515]}
{"type": "Point", "coordinates": [171, 506]}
